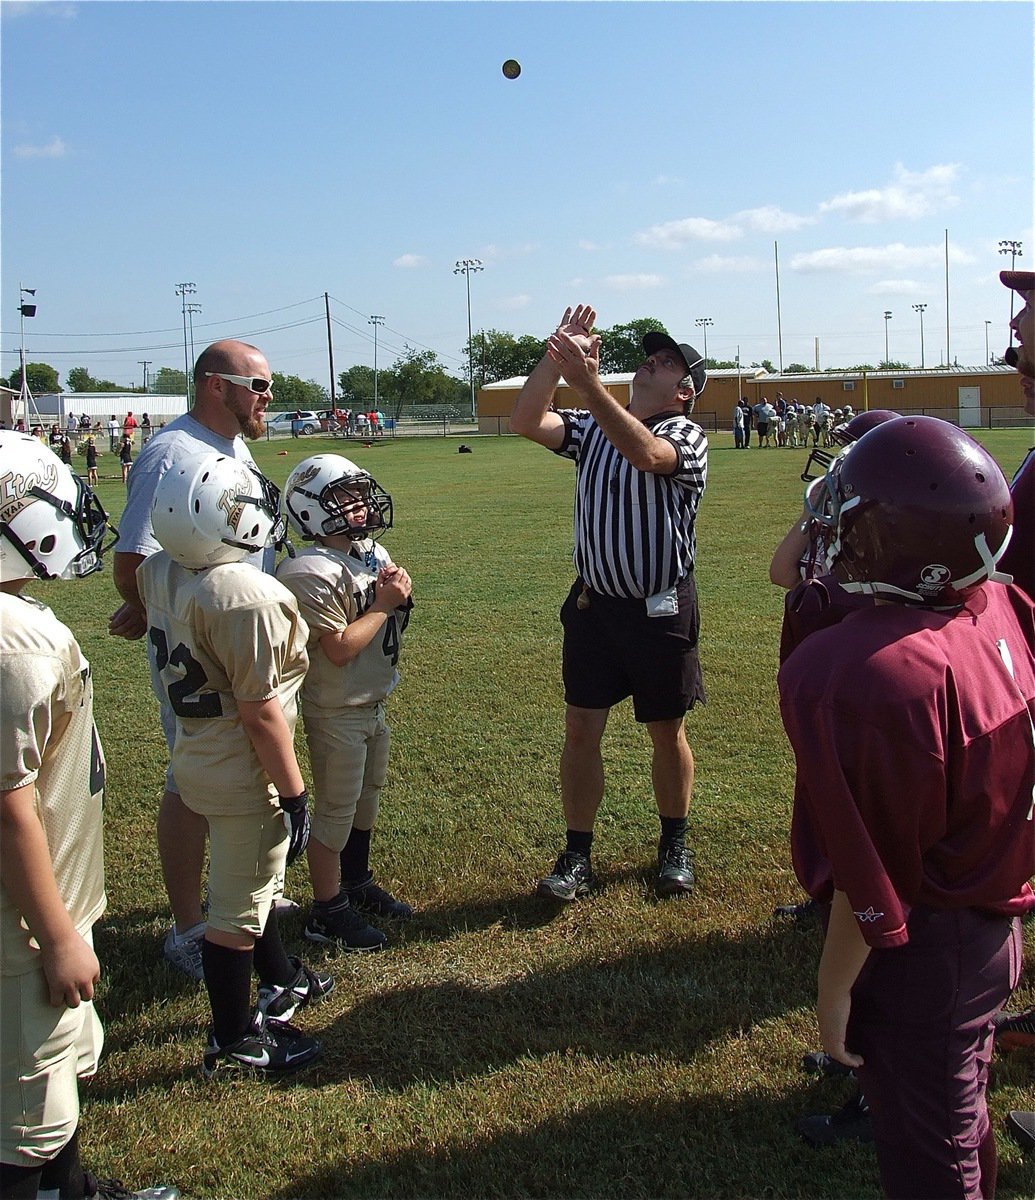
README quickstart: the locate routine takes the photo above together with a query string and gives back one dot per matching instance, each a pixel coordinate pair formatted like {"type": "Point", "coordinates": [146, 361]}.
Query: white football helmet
{"type": "Point", "coordinates": [327, 494]}
{"type": "Point", "coordinates": [51, 524]}
{"type": "Point", "coordinates": [211, 509]}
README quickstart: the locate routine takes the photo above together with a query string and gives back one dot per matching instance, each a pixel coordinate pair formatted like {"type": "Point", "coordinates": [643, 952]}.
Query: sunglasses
{"type": "Point", "coordinates": [252, 383]}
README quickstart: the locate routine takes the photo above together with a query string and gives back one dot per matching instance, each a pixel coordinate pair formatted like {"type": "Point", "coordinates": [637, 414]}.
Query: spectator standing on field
{"type": "Point", "coordinates": [129, 425]}
{"type": "Point", "coordinates": [631, 618]}
{"type": "Point", "coordinates": [91, 461]}
{"type": "Point", "coordinates": [748, 420]}
{"type": "Point", "coordinates": [126, 456]}
{"type": "Point", "coordinates": [113, 433]}
{"type": "Point", "coordinates": [738, 427]}
{"type": "Point", "coordinates": [145, 428]}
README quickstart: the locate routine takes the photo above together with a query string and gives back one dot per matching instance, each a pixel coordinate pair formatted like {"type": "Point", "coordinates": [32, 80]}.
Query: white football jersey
{"type": "Point", "coordinates": [48, 739]}
{"type": "Point", "coordinates": [333, 588]}
{"type": "Point", "coordinates": [217, 636]}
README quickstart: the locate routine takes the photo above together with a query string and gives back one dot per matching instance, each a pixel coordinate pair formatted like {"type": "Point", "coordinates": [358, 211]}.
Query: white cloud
{"type": "Point", "coordinates": [494, 254]}
{"type": "Point", "coordinates": [911, 195]}
{"type": "Point", "coordinates": [34, 8]}
{"type": "Point", "coordinates": [410, 260]}
{"type": "Point", "coordinates": [639, 282]}
{"type": "Point", "coordinates": [770, 219]}
{"type": "Point", "coordinates": [898, 287]}
{"type": "Point", "coordinates": [727, 262]}
{"type": "Point", "coordinates": [673, 235]}
{"type": "Point", "coordinates": [513, 303]}
{"type": "Point", "coordinates": [586, 244]}
{"type": "Point", "coordinates": [55, 148]}
{"type": "Point", "coordinates": [863, 260]}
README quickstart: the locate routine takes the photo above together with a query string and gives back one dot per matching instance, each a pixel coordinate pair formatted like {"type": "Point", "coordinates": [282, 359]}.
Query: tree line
{"type": "Point", "coordinates": [417, 377]}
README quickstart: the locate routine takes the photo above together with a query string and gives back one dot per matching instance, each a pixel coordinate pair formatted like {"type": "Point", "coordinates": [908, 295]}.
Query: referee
{"type": "Point", "coordinates": [631, 618]}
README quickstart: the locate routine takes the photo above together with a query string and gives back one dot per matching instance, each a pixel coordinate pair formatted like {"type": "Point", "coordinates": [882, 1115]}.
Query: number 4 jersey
{"type": "Point", "coordinates": [333, 589]}
{"type": "Point", "coordinates": [217, 636]}
{"type": "Point", "coordinates": [48, 739]}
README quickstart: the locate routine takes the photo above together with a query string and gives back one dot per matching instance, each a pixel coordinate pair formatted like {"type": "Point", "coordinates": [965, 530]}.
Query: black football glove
{"type": "Point", "coordinates": [296, 822]}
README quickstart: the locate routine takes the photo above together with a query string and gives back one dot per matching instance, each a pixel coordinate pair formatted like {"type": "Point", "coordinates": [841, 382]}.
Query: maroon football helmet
{"type": "Point", "coordinates": [852, 431]}
{"type": "Point", "coordinates": [918, 512]}
{"type": "Point", "coordinates": [844, 435]}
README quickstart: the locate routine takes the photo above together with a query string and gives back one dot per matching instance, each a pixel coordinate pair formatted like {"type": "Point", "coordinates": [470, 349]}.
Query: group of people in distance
{"type": "Point", "coordinates": [787, 422]}
{"type": "Point", "coordinates": [907, 689]}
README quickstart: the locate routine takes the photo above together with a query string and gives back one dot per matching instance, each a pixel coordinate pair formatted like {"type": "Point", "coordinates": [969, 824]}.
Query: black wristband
{"type": "Point", "coordinates": [293, 804]}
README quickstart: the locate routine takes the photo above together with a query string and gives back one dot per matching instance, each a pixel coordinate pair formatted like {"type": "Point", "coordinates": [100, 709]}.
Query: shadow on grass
{"type": "Point", "coordinates": [669, 1002]}
{"type": "Point", "coordinates": [697, 1146]}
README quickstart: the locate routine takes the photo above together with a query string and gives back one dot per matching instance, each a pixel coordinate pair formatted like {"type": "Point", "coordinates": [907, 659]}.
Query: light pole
{"type": "Point", "coordinates": [24, 310]}
{"type": "Point", "coordinates": [465, 266]}
{"type": "Point", "coordinates": [1014, 250]}
{"type": "Point", "coordinates": [887, 356]}
{"type": "Point", "coordinates": [921, 309]}
{"type": "Point", "coordinates": [375, 321]}
{"type": "Point", "coordinates": [704, 322]}
{"type": "Point", "coordinates": [988, 358]}
{"type": "Point", "coordinates": [183, 290]}
{"type": "Point", "coordinates": [191, 310]}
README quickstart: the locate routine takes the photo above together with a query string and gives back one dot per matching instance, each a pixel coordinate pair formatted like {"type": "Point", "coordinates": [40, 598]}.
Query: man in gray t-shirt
{"type": "Point", "coordinates": [232, 390]}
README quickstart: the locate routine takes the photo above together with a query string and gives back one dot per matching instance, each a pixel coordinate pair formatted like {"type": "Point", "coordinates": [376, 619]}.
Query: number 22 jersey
{"type": "Point", "coordinates": [220, 635]}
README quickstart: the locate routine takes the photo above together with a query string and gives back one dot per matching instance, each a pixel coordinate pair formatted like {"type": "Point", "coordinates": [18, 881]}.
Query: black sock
{"type": "Point", "coordinates": [673, 829]}
{"type": "Point", "coordinates": [228, 978]}
{"type": "Point", "coordinates": [355, 858]}
{"type": "Point", "coordinates": [19, 1183]}
{"type": "Point", "coordinates": [579, 842]}
{"type": "Point", "coordinates": [64, 1173]}
{"type": "Point", "coordinates": [272, 964]}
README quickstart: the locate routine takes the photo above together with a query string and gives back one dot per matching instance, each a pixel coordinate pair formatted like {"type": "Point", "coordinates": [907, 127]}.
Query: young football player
{"type": "Point", "coordinates": [911, 727]}
{"type": "Point", "coordinates": [51, 793]}
{"type": "Point", "coordinates": [229, 646]}
{"type": "Point", "coordinates": [357, 603]}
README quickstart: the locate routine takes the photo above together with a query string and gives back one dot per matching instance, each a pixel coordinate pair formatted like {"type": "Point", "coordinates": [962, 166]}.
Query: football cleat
{"type": "Point", "coordinates": [368, 898]}
{"type": "Point", "coordinates": [852, 1123]}
{"type": "Point", "coordinates": [1021, 1127]}
{"type": "Point", "coordinates": [115, 1189]}
{"type": "Point", "coordinates": [1015, 1030]}
{"type": "Point", "coordinates": [338, 922]}
{"type": "Point", "coordinates": [266, 1047]}
{"type": "Point", "coordinates": [571, 877]}
{"type": "Point", "coordinates": [675, 868]}
{"type": "Point", "coordinates": [185, 953]}
{"type": "Point", "coordinates": [280, 1003]}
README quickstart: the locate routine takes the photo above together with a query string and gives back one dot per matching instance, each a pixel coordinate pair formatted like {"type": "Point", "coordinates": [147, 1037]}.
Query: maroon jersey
{"type": "Point", "coordinates": [912, 731]}
{"type": "Point", "coordinates": [1019, 559]}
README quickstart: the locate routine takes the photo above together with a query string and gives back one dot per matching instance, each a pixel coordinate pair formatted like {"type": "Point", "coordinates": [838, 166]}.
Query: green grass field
{"type": "Point", "coordinates": [621, 1047]}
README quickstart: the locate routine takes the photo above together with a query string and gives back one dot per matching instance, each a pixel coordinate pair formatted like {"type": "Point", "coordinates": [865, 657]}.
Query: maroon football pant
{"type": "Point", "coordinates": [922, 1021]}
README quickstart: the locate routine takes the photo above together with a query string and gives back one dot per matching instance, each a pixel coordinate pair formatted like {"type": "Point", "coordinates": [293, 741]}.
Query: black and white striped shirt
{"type": "Point", "coordinates": [634, 531]}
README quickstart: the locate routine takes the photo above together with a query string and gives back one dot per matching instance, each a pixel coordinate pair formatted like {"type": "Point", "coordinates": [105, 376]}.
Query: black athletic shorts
{"type": "Point", "coordinates": [613, 649]}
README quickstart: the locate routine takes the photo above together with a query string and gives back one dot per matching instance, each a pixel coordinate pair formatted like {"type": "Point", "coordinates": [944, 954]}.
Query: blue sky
{"type": "Point", "coordinates": [646, 161]}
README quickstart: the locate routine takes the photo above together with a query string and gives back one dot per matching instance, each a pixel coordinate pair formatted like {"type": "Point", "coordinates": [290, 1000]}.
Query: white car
{"type": "Point", "coordinates": [280, 422]}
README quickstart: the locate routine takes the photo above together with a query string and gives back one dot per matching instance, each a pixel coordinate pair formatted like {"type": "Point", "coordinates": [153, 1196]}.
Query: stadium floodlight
{"type": "Point", "coordinates": [465, 266]}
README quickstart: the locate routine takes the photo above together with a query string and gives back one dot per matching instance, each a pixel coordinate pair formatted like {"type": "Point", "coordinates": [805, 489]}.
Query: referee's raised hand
{"type": "Point", "coordinates": [576, 357]}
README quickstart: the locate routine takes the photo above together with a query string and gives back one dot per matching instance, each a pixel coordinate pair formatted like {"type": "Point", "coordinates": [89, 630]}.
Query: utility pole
{"type": "Point", "coordinates": [145, 363]}
{"type": "Point", "coordinates": [887, 356]}
{"type": "Point", "coordinates": [330, 347]}
{"type": "Point", "coordinates": [183, 290]}
{"type": "Point", "coordinates": [465, 266]}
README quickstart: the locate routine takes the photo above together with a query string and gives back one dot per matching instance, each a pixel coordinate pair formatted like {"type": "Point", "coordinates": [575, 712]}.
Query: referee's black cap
{"type": "Point", "coordinates": [692, 360]}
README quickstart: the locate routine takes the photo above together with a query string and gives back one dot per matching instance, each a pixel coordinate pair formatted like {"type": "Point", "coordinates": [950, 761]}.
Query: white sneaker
{"type": "Point", "coordinates": [185, 953]}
